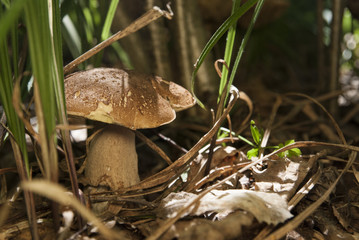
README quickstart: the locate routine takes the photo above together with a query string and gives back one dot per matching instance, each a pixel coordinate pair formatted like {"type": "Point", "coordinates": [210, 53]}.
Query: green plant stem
{"type": "Point", "coordinates": [223, 83]}
{"type": "Point", "coordinates": [214, 39]}
{"type": "Point", "coordinates": [228, 50]}
{"type": "Point", "coordinates": [245, 41]}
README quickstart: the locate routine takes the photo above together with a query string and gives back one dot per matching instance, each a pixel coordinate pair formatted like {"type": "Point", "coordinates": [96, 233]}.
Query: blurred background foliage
{"type": "Point", "coordinates": [282, 54]}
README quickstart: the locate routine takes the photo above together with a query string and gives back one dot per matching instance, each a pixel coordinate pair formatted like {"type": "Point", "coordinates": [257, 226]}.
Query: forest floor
{"type": "Point", "coordinates": [311, 196]}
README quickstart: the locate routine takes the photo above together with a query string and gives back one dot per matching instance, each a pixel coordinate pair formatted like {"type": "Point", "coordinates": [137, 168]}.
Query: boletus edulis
{"type": "Point", "coordinates": [125, 100]}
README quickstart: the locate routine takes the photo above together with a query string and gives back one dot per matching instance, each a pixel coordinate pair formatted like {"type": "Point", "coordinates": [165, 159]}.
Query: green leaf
{"type": "Point", "coordinates": [71, 36]}
{"type": "Point", "coordinates": [256, 134]}
{"type": "Point", "coordinates": [294, 152]}
{"type": "Point", "coordinates": [281, 154]}
{"type": "Point", "coordinates": [246, 141]}
{"type": "Point", "coordinates": [289, 142]}
{"type": "Point", "coordinates": [252, 153]}
{"type": "Point", "coordinates": [222, 134]}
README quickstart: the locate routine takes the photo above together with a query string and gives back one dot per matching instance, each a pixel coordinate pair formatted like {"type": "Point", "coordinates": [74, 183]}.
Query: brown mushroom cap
{"type": "Point", "coordinates": [127, 98]}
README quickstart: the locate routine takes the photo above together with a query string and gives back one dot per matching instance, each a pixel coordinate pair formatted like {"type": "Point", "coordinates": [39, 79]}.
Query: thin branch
{"type": "Point", "coordinates": [154, 147]}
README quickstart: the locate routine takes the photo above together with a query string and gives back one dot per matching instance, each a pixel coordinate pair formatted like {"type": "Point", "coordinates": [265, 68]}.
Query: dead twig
{"type": "Point", "coordinates": [167, 139]}
{"type": "Point", "coordinates": [335, 124]}
{"type": "Point", "coordinates": [154, 147]}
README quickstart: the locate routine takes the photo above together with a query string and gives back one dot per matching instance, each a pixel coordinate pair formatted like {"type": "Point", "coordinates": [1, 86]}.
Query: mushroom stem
{"type": "Point", "coordinates": [112, 159]}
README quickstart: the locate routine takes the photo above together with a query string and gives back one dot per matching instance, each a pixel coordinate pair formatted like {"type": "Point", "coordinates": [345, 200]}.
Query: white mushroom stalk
{"type": "Point", "coordinates": [126, 100]}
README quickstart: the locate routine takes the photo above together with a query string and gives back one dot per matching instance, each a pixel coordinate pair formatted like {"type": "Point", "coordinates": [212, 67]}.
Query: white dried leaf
{"type": "Point", "coordinates": [68, 217]}
{"type": "Point", "coordinates": [266, 207]}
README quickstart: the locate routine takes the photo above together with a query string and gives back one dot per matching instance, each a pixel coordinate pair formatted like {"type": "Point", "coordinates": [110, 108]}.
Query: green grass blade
{"type": "Point", "coordinates": [228, 51]}
{"type": "Point", "coordinates": [58, 74]}
{"type": "Point", "coordinates": [244, 41]}
{"type": "Point", "coordinates": [216, 36]}
{"type": "Point", "coordinates": [15, 125]}
{"type": "Point", "coordinates": [6, 87]}
{"type": "Point", "coordinates": [109, 18]}
{"type": "Point", "coordinates": [122, 55]}
{"type": "Point", "coordinates": [6, 91]}
{"type": "Point", "coordinates": [10, 16]}
{"type": "Point", "coordinates": [38, 23]}
{"type": "Point", "coordinates": [106, 34]}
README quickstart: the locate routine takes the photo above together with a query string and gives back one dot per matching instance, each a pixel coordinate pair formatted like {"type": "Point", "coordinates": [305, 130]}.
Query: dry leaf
{"type": "Point", "coordinates": [222, 156]}
{"type": "Point", "coordinates": [229, 228]}
{"type": "Point", "coordinates": [266, 207]}
{"type": "Point", "coordinates": [282, 176]}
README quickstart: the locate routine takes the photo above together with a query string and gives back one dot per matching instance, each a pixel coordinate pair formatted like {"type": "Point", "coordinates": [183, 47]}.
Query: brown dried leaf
{"type": "Point", "coordinates": [222, 156]}
{"type": "Point", "coordinates": [282, 176]}
{"type": "Point", "coordinates": [228, 228]}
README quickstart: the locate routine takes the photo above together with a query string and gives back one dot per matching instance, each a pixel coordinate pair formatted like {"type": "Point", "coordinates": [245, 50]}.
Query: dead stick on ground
{"type": "Point", "coordinates": [154, 147]}
{"type": "Point", "coordinates": [139, 23]}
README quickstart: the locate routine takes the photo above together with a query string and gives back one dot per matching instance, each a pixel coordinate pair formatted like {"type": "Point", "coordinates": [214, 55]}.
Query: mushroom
{"type": "Point", "coordinates": [126, 100]}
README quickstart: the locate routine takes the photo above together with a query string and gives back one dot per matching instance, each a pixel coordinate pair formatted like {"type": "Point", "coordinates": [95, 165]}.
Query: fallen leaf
{"type": "Point", "coordinates": [282, 176]}
{"type": "Point", "coordinates": [270, 208]}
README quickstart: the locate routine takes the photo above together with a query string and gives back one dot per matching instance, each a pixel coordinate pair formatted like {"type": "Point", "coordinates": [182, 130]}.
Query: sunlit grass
{"type": "Point", "coordinates": [44, 69]}
{"type": "Point", "coordinates": [8, 74]}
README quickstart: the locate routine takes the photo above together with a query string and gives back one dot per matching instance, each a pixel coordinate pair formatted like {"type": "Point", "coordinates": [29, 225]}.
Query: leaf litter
{"type": "Point", "coordinates": [239, 198]}
{"type": "Point", "coordinates": [270, 208]}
